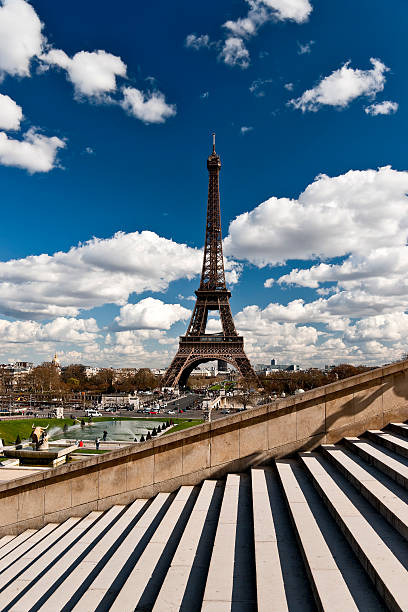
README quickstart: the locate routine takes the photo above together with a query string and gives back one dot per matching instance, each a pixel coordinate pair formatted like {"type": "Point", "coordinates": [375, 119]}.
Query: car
{"type": "Point", "coordinates": [93, 413]}
{"type": "Point", "coordinates": [171, 412]}
{"type": "Point", "coordinates": [225, 411]}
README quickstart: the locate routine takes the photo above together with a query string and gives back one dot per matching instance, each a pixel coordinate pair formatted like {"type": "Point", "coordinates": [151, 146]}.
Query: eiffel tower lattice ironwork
{"type": "Point", "coordinates": [196, 346]}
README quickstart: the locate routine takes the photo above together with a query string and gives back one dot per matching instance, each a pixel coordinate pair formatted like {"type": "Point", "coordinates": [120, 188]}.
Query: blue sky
{"type": "Point", "coordinates": [106, 113]}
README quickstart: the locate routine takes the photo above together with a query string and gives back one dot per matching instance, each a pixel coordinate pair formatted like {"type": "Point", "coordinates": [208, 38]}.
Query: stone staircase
{"type": "Point", "coordinates": [325, 530]}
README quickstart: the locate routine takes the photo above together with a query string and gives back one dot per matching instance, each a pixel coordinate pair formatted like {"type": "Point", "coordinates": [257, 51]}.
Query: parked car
{"type": "Point", "coordinates": [93, 413]}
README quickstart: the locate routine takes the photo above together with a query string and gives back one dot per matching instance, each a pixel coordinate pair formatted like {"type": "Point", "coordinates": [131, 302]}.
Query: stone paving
{"type": "Point", "coordinates": [321, 530]}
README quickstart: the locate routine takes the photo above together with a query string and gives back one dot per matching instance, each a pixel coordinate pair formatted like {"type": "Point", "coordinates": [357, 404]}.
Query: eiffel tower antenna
{"type": "Point", "coordinates": [197, 346]}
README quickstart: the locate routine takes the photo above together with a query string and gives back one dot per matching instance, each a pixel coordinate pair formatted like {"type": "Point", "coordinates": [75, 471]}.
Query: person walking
{"type": "Point", "coordinates": [97, 442]}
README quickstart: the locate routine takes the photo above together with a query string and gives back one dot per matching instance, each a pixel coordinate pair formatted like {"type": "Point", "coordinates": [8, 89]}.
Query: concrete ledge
{"type": "Point", "coordinates": [234, 443]}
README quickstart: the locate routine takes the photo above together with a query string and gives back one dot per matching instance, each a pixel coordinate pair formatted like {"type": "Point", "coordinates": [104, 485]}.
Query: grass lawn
{"type": "Point", "coordinates": [22, 427]}
{"type": "Point", "coordinates": [183, 424]}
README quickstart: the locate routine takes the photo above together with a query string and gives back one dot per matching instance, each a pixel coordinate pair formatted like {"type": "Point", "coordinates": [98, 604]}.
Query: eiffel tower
{"type": "Point", "coordinates": [196, 346]}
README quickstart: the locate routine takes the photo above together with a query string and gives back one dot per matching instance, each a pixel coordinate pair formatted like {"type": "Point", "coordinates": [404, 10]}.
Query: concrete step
{"type": "Point", "coordinates": [19, 593]}
{"type": "Point", "coordinates": [17, 552]}
{"type": "Point", "coordinates": [396, 444]}
{"type": "Point", "coordinates": [13, 570]}
{"type": "Point", "coordinates": [386, 570]}
{"type": "Point", "coordinates": [70, 590]}
{"type": "Point", "coordinates": [297, 586]}
{"type": "Point", "coordinates": [388, 502]}
{"type": "Point", "coordinates": [15, 542]}
{"type": "Point", "coordinates": [5, 539]}
{"type": "Point", "coordinates": [269, 575]}
{"type": "Point", "coordinates": [40, 589]}
{"type": "Point", "coordinates": [184, 583]}
{"type": "Point", "coordinates": [328, 584]}
{"type": "Point", "coordinates": [113, 574]}
{"type": "Point", "coordinates": [401, 429]}
{"type": "Point", "coordinates": [219, 585]}
{"type": "Point", "coordinates": [384, 460]}
{"type": "Point", "coordinates": [231, 576]}
{"type": "Point", "coordinates": [143, 583]}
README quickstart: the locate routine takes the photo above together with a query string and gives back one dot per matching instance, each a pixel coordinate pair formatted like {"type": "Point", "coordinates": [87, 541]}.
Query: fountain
{"type": "Point", "coordinates": [42, 452]}
{"type": "Point", "coordinates": [39, 437]}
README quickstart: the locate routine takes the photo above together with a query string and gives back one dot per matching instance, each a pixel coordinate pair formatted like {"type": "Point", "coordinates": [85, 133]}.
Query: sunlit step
{"type": "Point", "coordinates": [329, 586]}
{"type": "Point", "coordinates": [386, 571]}
{"type": "Point", "coordinates": [391, 505]}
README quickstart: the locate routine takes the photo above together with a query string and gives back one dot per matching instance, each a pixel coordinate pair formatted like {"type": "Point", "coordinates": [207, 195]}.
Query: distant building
{"type": "Point", "coordinates": [206, 372]}
{"type": "Point", "coordinates": [14, 371]}
{"type": "Point", "coordinates": [120, 399]}
{"type": "Point", "coordinates": [158, 371]}
{"type": "Point", "coordinates": [91, 371]}
{"type": "Point", "coordinates": [276, 367]}
{"type": "Point", "coordinates": [222, 366]}
{"type": "Point", "coordinates": [55, 363]}
{"type": "Point", "coordinates": [119, 373]}
{"type": "Point", "coordinates": [261, 367]}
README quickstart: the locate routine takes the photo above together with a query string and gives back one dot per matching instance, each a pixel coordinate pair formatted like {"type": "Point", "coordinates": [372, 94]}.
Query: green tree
{"type": "Point", "coordinates": [145, 380]}
{"type": "Point", "coordinates": [44, 378]}
{"type": "Point", "coordinates": [74, 376]}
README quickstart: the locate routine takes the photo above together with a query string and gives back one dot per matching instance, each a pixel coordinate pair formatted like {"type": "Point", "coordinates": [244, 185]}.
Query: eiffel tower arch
{"type": "Point", "coordinates": [196, 346]}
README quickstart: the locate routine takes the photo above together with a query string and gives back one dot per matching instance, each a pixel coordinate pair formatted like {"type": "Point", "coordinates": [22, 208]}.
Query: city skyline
{"type": "Point", "coordinates": [106, 117]}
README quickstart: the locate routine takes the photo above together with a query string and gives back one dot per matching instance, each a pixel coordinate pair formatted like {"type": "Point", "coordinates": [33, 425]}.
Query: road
{"type": "Point", "coordinates": [189, 404]}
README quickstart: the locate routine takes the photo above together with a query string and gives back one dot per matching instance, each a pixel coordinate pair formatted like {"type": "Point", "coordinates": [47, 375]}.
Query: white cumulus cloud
{"type": "Point", "coordinates": [35, 152]}
{"type": "Point", "coordinates": [151, 313]}
{"type": "Point", "coordinates": [149, 107]}
{"type": "Point", "coordinates": [342, 87]}
{"type": "Point", "coordinates": [262, 11]}
{"type": "Point", "coordinates": [295, 10]}
{"type": "Point", "coordinates": [92, 73]}
{"type": "Point", "coordinates": [288, 334]}
{"type": "Point", "coordinates": [355, 212]}
{"type": "Point", "coordinates": [59, 330]}
{"type": "Point", "coordinates": [197, 42]}
{"type": "Point", "coordinates": [234, 52]}
{"type": "Point", "coordinates": [382, 108]}
{"type": "Point", "coordinates": [360, 219]}
{"type": "Point", "coordinates": [92, 274]}
{"type": "Point", "coordinates": [11, 113]}
{"type": "Point", "coordinates": [21, 37]}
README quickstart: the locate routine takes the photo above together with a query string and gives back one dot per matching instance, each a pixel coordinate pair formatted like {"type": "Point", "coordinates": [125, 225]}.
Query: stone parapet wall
{"type": "Point", "coordinates": [325, 415]}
